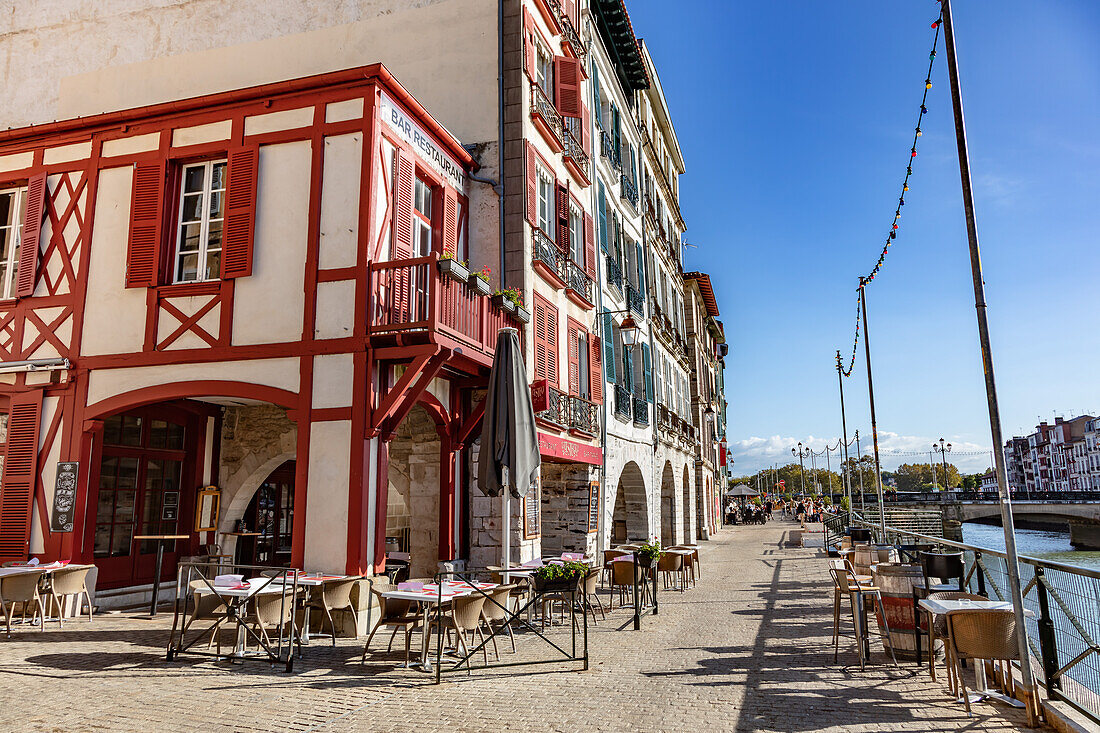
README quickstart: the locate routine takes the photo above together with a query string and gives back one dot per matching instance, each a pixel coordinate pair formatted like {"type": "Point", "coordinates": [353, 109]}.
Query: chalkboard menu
{"type": "Point", "coordinates": [532, 503]}
{"type": "Point", "coordinates": [64, 497]}
{"type": "Point", "coordinates": [594, 506]}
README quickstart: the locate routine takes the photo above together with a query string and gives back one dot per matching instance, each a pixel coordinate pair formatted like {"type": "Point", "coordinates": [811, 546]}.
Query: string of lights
{"type": "Point", "coordinates": [893, 232]}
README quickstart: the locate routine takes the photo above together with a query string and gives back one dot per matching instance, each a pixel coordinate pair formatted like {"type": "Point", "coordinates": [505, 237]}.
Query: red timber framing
{"type": "Point", "coordinates": [450, 337]}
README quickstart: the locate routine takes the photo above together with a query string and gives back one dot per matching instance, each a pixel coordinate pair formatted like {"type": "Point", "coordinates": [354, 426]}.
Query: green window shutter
{"type": "Point", "coordinates": [640, 262]}
{"type": "Point", "coordinates": [647, 367]}
{"type": "Point", "coordinates": [603, 218]}
{"type": "Point", "coordinates": [596, 95]}
{"type": "Point", "coordinates": [609, 349]}
{"type": "Point", "coordinates": [628, 368]}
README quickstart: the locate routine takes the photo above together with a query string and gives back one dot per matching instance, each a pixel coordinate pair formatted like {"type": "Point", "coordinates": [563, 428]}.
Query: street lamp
{"type": "Point", "coordinates": [628, 329]}
{"type": "Point", "coordinates": [802, 467]}
{"type": "Point", "coordinates": [943, 450]}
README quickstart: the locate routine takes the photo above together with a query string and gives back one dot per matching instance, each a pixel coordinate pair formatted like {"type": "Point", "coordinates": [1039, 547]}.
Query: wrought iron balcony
{"type": "Point", "coordinates": [577, 280]}
{"type": "Point", "coordinates": [635, 300]}
{"type": "Point", "coordinates": [546, 253]}
{"type": "Point", "coordinates": [584, 415]}
{"type": "Point", "coordinates": [623, 401]}
{"type": "Point", "coordinates": [614, 272]}
{"type": "Point", "coordinates": [557, 407]}
{"type": "Point", "coordinates": [641, 411]}
{"type": "Point", "coordinates": [543, 109]}
{"type": "Point", "coordinates": [628, 189]}
{"type": "Point", "coordinates": [569, 35]}
{"type": "Point", "coordinates": [607, 147]}
{"type": "Point", "coordinates": [573, 149]}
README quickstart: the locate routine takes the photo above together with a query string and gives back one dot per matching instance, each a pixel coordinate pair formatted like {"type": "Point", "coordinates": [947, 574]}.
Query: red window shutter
{"type": "Point", "coordinates": [404, 206]}
{"type": "Point", "coordinates": [528, 45]}
{"type": "Point", "coordinates": [32, 229]}
{"type": "Point", "coordinates": [20, 475]}
{"type": "Point", "coordinates": [586, 130]}
{"type": "Point", "coordinates": [573, 345]}
{"type": "Point", "coordinates": [569, 9]}
{"type": "Point", "coordinates": [552, 345]}
{"type": "Point", "coordinates": [567, 86]}
{"type": "Point", "coordinates": [595, 368]}
{"type": "Point", "coordinates": [589, 246]}
{"type": "Point", "coordinates": [240, 212]}
{"type": "Point", "coordinates": [146, 216]}
{"type": "Point", "coordinates": [450, 221]}
{"type": "Point", "coordinates": [540, 339]}
{"type": "Point", "coordinates": [563, 216]}
{"type": "Point", "coordinates": [532, 185]}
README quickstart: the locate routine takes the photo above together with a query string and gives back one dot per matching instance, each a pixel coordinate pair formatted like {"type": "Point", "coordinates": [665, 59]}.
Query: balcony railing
{"type": "Point", "coordinates": [557, 407]}
{"type": "Point", "coordinates": [624, 406]}
{"type": "Point", "coordinates": [542, 107]}
{"type": "Point", "coordinates": [641, 411]}
{"type": "Point", "coordinates": [629, 190]}
{"type": "Point", "coordinates": [569, 35]}
{"type": "Point", "coordinates": [607, 147]}
{"type": "Point", "coordinates": [584, 415]}
{"type": "Point", "coordinates": [614, 272]}
{"type": "Point", "coordinates": [577, 280]}
{"type": "Point", "coordinates": [573, 149]}
{"type": "Point", "coordinates": [634, 300]}
{"type": "Point", "coordinates": [547, 253]}
{"type": "Point", "coordinates": [411, 295]}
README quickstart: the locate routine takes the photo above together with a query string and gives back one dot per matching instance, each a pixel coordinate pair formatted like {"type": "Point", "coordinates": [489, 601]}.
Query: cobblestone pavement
{"type": "Point", "coordinates": [749, 649]}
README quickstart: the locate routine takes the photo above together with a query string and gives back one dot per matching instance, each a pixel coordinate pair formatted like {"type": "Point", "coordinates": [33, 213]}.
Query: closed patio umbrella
{"type": "Point", "coordinates": [509, 457]}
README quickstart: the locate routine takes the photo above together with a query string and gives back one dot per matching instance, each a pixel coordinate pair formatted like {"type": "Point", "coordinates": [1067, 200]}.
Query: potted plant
{"type": "Point", "coordinates": [557, 577]}
{"type": "Point", "coordinates": [508, 299]}
{"type": "Point", "coordinates": [649, 553]}
{"type": "Point", "coordinates": [479, 281]}
{"type": "Point", "coordinates": [453, 268]}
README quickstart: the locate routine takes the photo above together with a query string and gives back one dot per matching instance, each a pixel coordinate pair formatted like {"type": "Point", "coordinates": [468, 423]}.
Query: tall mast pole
{"type": "Point", "coordinates": [845, 476]}
{"type": "Point", "coordinates": [1011, 560]}
{"type": "Point", "coordinates": [871, 395]}
{"type": "Point", "coordinates": [859, 464]}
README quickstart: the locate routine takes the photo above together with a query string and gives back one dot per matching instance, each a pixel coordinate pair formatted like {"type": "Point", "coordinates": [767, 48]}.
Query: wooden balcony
{"type": "Point", "coordinates": [412, 303]}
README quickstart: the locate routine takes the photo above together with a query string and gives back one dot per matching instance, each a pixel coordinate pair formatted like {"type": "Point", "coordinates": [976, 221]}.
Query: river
{"type": "Point", "coordinates": [1037, 543]}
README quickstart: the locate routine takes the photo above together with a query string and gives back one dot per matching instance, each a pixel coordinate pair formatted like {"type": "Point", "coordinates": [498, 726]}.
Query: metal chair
{"type": "Point", "coordinates": [942, 567]}
{"type": "Point", "coordinates": [846, 585]}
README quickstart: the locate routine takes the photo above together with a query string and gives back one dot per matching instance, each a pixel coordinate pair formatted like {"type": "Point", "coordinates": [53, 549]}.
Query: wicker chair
{"type": "Point", "coordinates": [22, 588]}
{"type": "Point", "coordinates": [70, 581]}
{"type": "Point", "coordinates": [464, 618]}
{"type": "Point", "coordinates": [208, 607]}
{"type": "Point", "coordinates": [332, 596]}
{"type": "Point", "coordinates": [672, 564]}
{"type": "Point", "coordinates": [272, 611]}
{"type": "Point", "coordinates": [622, 578]}
{"type": "Point", "coordinates": [608, 556]}
{"type": "Point", "coordinates": [591, 599]}
{"type": "Point", "coordinates": [981, 634]}
{"type": "Point", "coordinates": [845, 584]}
{"type": "Point", "coordinates": [938, 630]}
{"type": "Point", "coordinates": [498, 610]}
{"type": "Point", "coordinates": [395, 613]}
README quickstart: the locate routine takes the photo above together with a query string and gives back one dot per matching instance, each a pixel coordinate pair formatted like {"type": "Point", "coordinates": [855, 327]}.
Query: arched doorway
{"type": "Point", "coordinates": [668, 500]}
{"type": "Point", "coordinates": [270, 514]}
{"type": "Point", "coordinates": [413, 495]}
{"type": "Point", "coordinates": [686, 506]}
{"type": "Point", "coordinates": [630, 520]}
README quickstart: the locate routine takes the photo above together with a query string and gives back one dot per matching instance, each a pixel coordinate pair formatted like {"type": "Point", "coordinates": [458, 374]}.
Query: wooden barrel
{"type": "Point", "coordinates": [867, 556]}
{"type": "Point", "coordinates": [895, 581]}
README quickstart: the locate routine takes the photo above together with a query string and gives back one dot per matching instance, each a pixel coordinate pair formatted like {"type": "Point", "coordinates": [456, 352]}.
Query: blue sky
{"type": "Point", "coordinates": [796, 117]}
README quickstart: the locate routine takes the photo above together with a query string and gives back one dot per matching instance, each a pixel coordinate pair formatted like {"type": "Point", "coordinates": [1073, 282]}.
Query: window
{"type": "Point", "coordinates": [544, 71]}
{"type": "Point", "coordinates": [546, 202]}
{"type": "Point", "coordinates": [422, 218]}
{"type": "Point", "coordinates": [202, 214]}
{"type": "Point", "coordinates": [13, 204]}
{"type": "Point", "coordinates": [582, 361]}
{"type": "Point", "coordinates": [576, 235]}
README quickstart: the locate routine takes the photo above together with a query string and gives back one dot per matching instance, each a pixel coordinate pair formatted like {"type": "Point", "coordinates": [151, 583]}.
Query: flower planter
{"type": "Point", "coordinates": [557, 585]}
{"type": "Point", "coordinates": [479, 285]}
{"type": "Point", "coordinates": [645, 561]}
{"type": "Point", "coordinates": [523, 314]}
{"type": "Point", "coordinates": [504, 303]}
{"type": "Point", "coordinates": [453, 269]}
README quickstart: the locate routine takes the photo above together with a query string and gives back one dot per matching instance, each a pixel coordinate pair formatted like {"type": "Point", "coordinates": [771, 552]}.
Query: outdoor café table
{"type": "Point", "coordinates": [160, 539]}
{"type": "Point", "coordinates": [313, 580]}
{"type": "Point", "coordinates": [942, 607]}
{"type": "Point", "coordinates": [428, 596]}
{"type": "Point", "coordinates": [22, 569]}
{"type": "Point", "coordinates": [236, 600]}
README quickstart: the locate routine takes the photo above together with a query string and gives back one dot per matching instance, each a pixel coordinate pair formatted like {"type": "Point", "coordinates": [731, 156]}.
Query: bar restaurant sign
{"type": "Point", "coordinates": [411, 132]}
{"type": "Point", "coordinates": [64, 497]}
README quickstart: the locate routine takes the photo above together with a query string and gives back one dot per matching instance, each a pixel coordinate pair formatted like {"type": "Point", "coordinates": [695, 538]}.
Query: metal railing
{"type": "Point", "coordinates": [569, 35]}
{"type": "Point", "coordinates": [949, 495]}
{"type": "Point", "coordinates": [573, 148]}
{"type": "Point", "coordinates": [546, 251]}
{"type": "Point", "coordinates": [557, 407]}
{"type": "Point", "coordinates": [623, 401]}
{"type": "Point", "coordinates": [1063, 635]}
{"type": "Point", "coordinates": [541, 106]}
{"type": "Point", "coordinates": [584, 415]}
{"type": "Point", "coordinates": [614, 272]}
{"type": "Point", "coordinates": [641, 411]}
{"type": "Point", "coordinates": [577, 280]}
{"type": "Point", "coordinates": [607, 147]}
{"type": "Point", "coordinates": [635, 300]}
{"type": "Point", "coordinates": [628, 189]}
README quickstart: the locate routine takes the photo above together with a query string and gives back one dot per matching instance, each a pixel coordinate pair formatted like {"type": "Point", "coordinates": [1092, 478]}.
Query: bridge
{"type": "Point", "coordinates": [1079, 510]}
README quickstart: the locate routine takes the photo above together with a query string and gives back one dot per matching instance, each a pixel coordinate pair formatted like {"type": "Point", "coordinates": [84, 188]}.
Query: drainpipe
{"type": "Point", "coordinates": [500, 131]}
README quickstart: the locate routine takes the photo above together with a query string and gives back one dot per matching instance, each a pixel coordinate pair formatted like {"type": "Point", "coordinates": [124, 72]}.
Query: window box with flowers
{"type": "Point", "coordinates": [479, 281]}
{"type": "Point", "coordinates": [508, 299]}
{"type": "Point", "coordinates": [558, 578]}
{"type": "Point", "coordinates": [454, 269]}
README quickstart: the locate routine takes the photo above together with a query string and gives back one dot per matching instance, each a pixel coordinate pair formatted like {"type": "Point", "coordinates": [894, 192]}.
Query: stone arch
{"type": "Point", "coordinates": [631, 509]}
{"type": "Point", "coordinates": [685, 519]}
{"type": "Point", "coordinates": [668, 504]}
{"type": "Point", "coordinates": [413, 494]}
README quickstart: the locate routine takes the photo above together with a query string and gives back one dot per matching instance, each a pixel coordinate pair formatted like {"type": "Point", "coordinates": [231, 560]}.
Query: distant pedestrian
{"type": "Point", "coordinates": [800, 513]}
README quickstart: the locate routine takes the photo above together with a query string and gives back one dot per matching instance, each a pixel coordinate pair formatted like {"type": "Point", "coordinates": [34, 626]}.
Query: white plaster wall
{"type": "Point", "coordinates": [333, 378]}
{"type": "Point", "coordinates": [280, 373]}
{"type": "Point", "coordinates": [343, 170]}
{"type": "Point", "coordinates": [50, 406]}
{"type": "Point", "coordinates": [114, 316]}
{"type": "Point", "coordinates": [326, 539]}
{"type": "Point", "coordinates": [268, 306]}
{"type": "Point", "coordinates": [335, 310]}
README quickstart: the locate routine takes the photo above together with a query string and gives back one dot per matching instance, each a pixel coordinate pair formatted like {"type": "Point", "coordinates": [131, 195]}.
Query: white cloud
{"type": "Point", "coordinates": [755, 453]}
